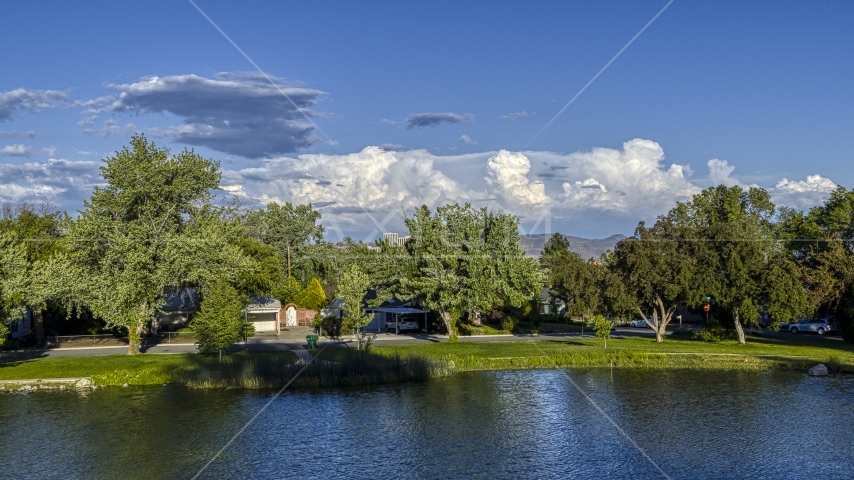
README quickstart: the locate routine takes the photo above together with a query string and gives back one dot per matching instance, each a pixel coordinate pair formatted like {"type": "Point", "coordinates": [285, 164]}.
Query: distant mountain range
{"type": "Point", "coordinates": [586, 247]}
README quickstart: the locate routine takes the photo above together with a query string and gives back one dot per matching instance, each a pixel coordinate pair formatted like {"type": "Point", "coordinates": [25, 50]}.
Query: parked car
{"type": "Point", "coordinates": [639, 323]}
{"type": "Point", "coordinates": [400, 325]}
{"type": "Point", "coordinates": [817, 325]}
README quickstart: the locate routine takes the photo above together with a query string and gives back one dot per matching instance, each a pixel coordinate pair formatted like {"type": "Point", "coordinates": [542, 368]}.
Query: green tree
{"type": "Point", "coordinates": [288, 291]}
{"type": "Point", "coordinates": [656, 270]}
{"type": "Point", "coordinates": [312, 297]}
{"type": "Point", "coordinates": [294, 231]}
{"type": "Point", "coordinates": [268, 276]}
{"type": "Point", "coordinates": [818, 242]}
{"type": "Point", "coordinates": [38, 230]}
{"type": "Point", "coordinates": [351, 290]}
{"type": "Point", "coordinates": [602, 327]}
{"type": "Point", "coordinates": [150, 230]}
{"type": "Point", "coordinates": [460, 260]}
{"type": "Point", "coordinates": [14, 278]}
{"type": "Point", "coordinates": [554, 251]}
{"type": "Point", "coordinates": [616, 298]}
{"type": "Point", "coordinates": [572, 279]}
{"type": "Point", "coordinates": [220, 321]}
{"type": "Point", "coordinates": [741, 265]}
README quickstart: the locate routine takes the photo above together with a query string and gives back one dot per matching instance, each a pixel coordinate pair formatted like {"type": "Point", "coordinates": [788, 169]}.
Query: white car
{"type": "Point", "coordinates": [639, 324]}
{"type": "Point", "coordinates": [400, 325]}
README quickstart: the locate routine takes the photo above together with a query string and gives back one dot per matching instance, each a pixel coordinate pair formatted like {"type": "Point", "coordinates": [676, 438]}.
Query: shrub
{"type": "Point", "coordinates": [247, 329]}
{"type": "Point", "coordinates": [508, 323]}
{"type": "Point", "coordinates": [711, 332]}
{"type": "Point", "coordinates": [328, 325]}
{"type": "Point", "coordinates": [4, 337]}
{"type": "Point", "coordinates": [466, 329]}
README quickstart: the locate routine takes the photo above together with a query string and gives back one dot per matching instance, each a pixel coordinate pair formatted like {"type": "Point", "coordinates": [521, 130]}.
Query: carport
{"type": "Point", "coordinates": [383, 314]}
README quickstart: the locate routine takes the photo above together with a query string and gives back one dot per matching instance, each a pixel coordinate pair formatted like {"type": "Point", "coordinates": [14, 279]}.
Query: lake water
{"type": "Point", "coordinates": [512, 424]}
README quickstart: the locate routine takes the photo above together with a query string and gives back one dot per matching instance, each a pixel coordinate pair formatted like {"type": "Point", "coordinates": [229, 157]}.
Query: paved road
{"type": "Point", "coordinates": [273, 344]}
{"type": "Point", "coordinates": [270, 343]}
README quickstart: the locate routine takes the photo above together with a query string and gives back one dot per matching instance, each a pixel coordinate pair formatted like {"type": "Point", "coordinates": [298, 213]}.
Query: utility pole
{"type": "Point", "coordinates": [289, 261]}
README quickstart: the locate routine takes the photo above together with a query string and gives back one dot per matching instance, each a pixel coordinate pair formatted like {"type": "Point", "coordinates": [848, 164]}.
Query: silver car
{"type": "Point", "coordinates": [815, 325]}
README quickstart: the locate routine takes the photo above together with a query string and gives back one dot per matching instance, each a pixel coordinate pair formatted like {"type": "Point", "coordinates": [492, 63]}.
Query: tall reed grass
{"type": "Point", "coordinates": [356, 368]}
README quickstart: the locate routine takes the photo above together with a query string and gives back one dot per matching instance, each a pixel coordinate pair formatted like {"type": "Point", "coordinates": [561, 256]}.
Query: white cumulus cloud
{"type": "Point", "coordinates": [720, 173]}
{"type": "Point", "coordinates": [606, 188]}
{"type": "Point", "coordinates": [508, 173]}
{"type": "Point", "coordinates": [17, 150]}
{"type": "Point", "coordinates": [64, 182]}
{"type": "Point", "coordinates": [802, 194]}
{"type": "Point", "coordinates": [630, 182]}
{"type": "Point", "coordinates": [348, 187]}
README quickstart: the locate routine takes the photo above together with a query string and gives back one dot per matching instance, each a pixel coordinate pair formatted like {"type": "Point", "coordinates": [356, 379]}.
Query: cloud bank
{"type": "Point", "coordinates": [63, 182]}
{"type": "Point", "coordinates": [604, 190]}
{"type": "Point", "coordinates": [31, 100]}
{"type": "Point", "coordinates": [240, 114]}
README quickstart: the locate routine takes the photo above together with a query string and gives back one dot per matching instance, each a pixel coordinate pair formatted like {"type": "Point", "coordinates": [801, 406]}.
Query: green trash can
{"type": "Point", "coordinates": [312, 341]}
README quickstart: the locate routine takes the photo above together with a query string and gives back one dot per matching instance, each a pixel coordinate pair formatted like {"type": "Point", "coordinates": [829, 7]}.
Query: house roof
{"type": "Point", "coordinates": [263, 303]}
{"type": "Point", "coordinates": [392, 302]}
{"type": "Point", "coordinates": [187, 300]}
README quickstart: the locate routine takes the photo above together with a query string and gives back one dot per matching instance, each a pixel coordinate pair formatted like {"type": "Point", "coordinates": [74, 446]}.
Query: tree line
{"type": "Point", "coordinates": [154, 228]}
{"type": "Point", "coordinates": [728, 245]}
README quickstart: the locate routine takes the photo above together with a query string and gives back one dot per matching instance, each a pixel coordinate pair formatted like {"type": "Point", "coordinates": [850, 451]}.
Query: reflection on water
{"type": "Point", "coordinates": [513, 424]}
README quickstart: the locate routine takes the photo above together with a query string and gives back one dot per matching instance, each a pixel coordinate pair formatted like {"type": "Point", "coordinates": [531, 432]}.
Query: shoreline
{"type": "Point", "coordinates": [399, 364]}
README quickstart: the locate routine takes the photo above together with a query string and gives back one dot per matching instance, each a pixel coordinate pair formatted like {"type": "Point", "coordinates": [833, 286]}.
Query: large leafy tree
{"type": "Point", "coordinates": [37, 230]}
{"type": "Point", "coordinates": [655, 269]}
{"type": "Point", "coordinates": [461, 260]}
{"type": "Point", "coordinates": [820, 241]}
{"type": "Point", "coordinates": [740, 263]}
{"type": "Point", "coordinates": [14, 278]}
{"type": "Point", "coordinates": [571, 278]}
{"type": "Point", "coordinates": [294, 231]}
{"type": "Point", "coordinates": [268, 278]}
{"type": "Point", "coordinates": [150, 230]}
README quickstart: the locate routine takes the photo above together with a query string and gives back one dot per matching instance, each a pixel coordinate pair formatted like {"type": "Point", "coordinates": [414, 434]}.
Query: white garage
{"type": "Point", "coordinates": [263, 313]}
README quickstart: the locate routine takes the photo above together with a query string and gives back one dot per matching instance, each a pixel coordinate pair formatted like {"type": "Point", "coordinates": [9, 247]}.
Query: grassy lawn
{"type": "Point", "coordinates": [760, 353]}
{"type": "Point", "coordinates": [265, 369]}
{"type": "Point", "coordinates": [144, 369]}
{"type": "Point", "coordinates": [524, 328]}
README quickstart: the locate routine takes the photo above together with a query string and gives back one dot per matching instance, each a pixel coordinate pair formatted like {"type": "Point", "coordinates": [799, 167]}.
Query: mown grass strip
{"type": "Point", "coordinates": [400, 363]}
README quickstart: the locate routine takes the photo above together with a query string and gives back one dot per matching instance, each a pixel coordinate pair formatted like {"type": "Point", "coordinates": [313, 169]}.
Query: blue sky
{"type": "Point", "coordinates": [763, 86]}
